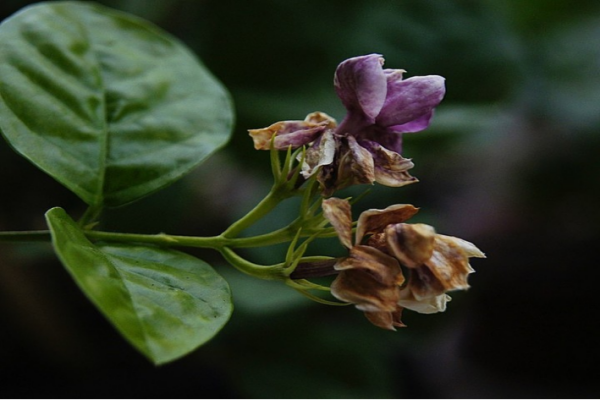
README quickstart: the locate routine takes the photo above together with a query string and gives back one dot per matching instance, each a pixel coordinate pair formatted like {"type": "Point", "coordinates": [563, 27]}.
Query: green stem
{"type": "Point", "coordinates": [265, 206]}
{"type": "Point", "coordinates": [25, 236]}
{"type": "Point", "coordinates": [269, 272]}
{"type": "Point", "coordinates": [90, 215]}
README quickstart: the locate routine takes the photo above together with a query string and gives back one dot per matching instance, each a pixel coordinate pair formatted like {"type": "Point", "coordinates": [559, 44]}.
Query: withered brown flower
{"type": "Point", "coordinates": [371, 276]}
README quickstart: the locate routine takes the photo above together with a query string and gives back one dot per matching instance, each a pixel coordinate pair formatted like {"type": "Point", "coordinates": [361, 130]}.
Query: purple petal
{"type": "Point", "coordinates": [361, 85]}
{"type": "Point", "coordinates": [413, 126]}
{"type": "Point", "coordinates": [410, 99]}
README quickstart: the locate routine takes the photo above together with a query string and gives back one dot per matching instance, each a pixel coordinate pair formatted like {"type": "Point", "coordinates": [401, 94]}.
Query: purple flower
{"type": "Point", "coordinates": [381, 104]}
{"type": "Point", "coordinates": [367, 144]}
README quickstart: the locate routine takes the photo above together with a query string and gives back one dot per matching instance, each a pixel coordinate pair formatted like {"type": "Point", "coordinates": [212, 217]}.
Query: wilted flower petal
{"type": "Point", "coordinates": [428, 305]}
{"type": "Point", "coordinates": [411, 244]}
{"type": "Point", "coordinates": [449, 262]}
{"type": "Point", "coordinates": [292, 133]}
{"type": "Point", "coordinates": [438, 263]}
{"type": "Point", "coordinates": [386, 320]}
{"type": "Point", "coordinates": [355, 166]}
{"type": "Point", "coordinates": [390, 167]}
{"type": "Point", "coordinates": [339, 215]}
{"type": "Point", "coordinates": [383, 268]}
{"type": "Point", "coordinates": [374, 220]}
{"type": "Point", "coordinates": [370, 280]}
{"type": "Point", "coordinates": [320, 153]}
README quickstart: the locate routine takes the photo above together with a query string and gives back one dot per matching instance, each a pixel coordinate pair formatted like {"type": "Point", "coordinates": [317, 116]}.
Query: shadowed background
{"type": "Point", "coordinates": [511, 163]}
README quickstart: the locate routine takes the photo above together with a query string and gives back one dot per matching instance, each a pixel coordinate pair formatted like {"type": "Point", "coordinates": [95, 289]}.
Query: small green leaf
{"type": "Point", "coordinates": [106, 103]}
{"type": "Point", "coordinates": [164, 302]}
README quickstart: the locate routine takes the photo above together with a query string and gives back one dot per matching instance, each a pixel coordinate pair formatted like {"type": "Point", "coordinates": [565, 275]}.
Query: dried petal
{"type": "Point", "coordinates": [287, 133]}
{"type": "Point", "coordinates": [374, 220]}
{"type": "Point", "coordinates": [320, 153]}
{"type": "Point", "coordinates": [383, 268]}
{"type": "Point", "coordinates": [386, 320]}
{"type": "Point", "coordinates": [320, 118]}
{"type": "Point", "coordinates": [339, 215]}
{"type": "Point", "coordinates": [449, 262]}
{"type": "Point", "coordinates": [358, 287]}
{"type": "Point", "coordinates": [355, 166]}
{"type": "Point", "coordinates": [429, 305]}
{"type": "Point", "coordinates": [411, 244]}
{"type": "Point", "coordinates": [390, 167]}
{"type": "Point", "coordinates": [424, 284]}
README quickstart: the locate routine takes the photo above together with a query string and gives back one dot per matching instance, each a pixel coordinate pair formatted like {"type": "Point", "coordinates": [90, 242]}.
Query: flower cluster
{"type": "Point", "coordinates": [391, 265]}
{"type": "Point", "coordinates": [371, 277]}
{"type": "Point", "coordinates": [366, 146]}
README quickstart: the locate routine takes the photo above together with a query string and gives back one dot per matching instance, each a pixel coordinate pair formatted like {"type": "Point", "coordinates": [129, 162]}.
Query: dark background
{"type": "Point", "coordinates": [511, 163]}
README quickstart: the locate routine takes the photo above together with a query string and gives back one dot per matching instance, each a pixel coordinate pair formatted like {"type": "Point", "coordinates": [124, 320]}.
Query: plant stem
{"type": "Point", "coordinates": [265, 206]}
{"type": "Point", "coordinates": [269, 272]}
{"type": "Point", "coordinates": [25, 236]}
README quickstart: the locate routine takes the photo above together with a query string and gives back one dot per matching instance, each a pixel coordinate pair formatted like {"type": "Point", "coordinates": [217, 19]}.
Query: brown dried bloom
{"type": "Point", "coordinates": [371, 276]}
{"type": "Point", "coordinates": [437, 264]}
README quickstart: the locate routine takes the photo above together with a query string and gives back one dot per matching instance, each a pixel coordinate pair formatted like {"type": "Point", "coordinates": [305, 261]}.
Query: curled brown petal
{"type": "Point", "coordinates": [449, 262]}
{"type": "Point", "coordinates": [339, 214]}
{"type": "Point", "coordinates": [374, 220]}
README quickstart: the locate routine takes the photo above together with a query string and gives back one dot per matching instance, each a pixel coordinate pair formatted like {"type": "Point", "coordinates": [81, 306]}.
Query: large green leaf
{"type": "Point", "coordinates": [164, 302]}
{"type": "Point", "coordinates": [106, 103]}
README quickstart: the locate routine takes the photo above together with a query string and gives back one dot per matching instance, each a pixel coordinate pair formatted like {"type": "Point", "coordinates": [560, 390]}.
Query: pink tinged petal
{"type": "Point", "coordinates": [375, 221]}
{"type": "Point", "coordinates": [338, 213]}
{"type": "Point", "coordinates": [411, 244]}
{"type": "Point", "coordinates": [362, 85]}
{"type": "Point", "coordinates": [411, 99]}
{"type": "Point", "coordinates": [429, 305]}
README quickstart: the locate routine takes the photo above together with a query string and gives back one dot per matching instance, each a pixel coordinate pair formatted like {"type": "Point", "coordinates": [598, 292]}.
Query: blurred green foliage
{"type": "Point", "coordinates": [510, 163]}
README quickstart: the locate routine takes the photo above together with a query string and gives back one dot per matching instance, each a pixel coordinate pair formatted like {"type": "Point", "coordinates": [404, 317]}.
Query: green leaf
{"type": "Point", "coordinates": [106, 103]}
{"type": "Point", "coordinates": [164, 302]}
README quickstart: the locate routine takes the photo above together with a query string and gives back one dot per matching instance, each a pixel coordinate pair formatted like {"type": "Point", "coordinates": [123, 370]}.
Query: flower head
{"type": "Point", "coordinates": [366, 146]}
{"type": "Point", "coordinates": [371, 277]}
